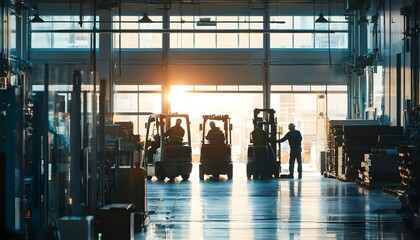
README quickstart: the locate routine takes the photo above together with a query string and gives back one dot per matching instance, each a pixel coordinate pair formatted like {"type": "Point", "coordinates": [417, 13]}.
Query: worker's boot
{"type": "Point", "coordinates": [300, 176]}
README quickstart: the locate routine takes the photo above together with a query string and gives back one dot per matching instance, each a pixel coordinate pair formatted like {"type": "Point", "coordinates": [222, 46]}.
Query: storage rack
{"type": "Point", "coordinates": [349, 141]}
{"type": "Point", "coordinates": [334, 153]}
{"type": "Point", "coordinates": [409, 192]}
{"type": "Point", "coordinates": [380, 169]}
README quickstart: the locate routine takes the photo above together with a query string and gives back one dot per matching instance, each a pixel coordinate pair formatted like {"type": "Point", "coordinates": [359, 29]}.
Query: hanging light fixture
{"type": "Point", "coordinates": [321, 18]}
{"type": "Point", "coordinates": [37, 19]}
{"type": "Point", "coordinates": [145, 18]}
{"type": "Point", "coordinates": [206, 22]}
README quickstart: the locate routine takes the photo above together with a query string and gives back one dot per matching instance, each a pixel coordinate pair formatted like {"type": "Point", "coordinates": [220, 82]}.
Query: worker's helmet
{"type": "Point", "coordinates": [291, 125]}
{"type": "Point", "coordinates": [212, 124]}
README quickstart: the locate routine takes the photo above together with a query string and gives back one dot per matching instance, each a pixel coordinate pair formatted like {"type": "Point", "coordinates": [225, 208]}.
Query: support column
{"type": "Point", "coordinates": [75, 144]}
{"type": "Point", "coordinates": [166, 107]}
{"type": "Point", "coordinates": [362, 49]}
{"type": "Point", "coordinates": [267, 57]}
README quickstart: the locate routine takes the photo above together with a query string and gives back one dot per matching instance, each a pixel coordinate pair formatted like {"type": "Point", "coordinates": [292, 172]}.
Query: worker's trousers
{"type": "Point", "coordinates": [298, 156]}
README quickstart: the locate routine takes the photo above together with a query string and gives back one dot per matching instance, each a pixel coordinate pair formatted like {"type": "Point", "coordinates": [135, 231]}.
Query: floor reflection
{"type": "Point", "coordinates": [291, 207]}
{"type": "Point", "coordinates": [311, 208]}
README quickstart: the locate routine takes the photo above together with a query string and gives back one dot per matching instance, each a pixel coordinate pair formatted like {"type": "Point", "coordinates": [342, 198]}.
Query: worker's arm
{"type": "Point", "coordinates": [286, 137]}
{"type": "Point", "coordinates": [167, 133]}
{"type": "Point", "coordinates": [208, 135]}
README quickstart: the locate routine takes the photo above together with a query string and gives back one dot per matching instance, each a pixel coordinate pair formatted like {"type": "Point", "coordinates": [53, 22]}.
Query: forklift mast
{"type": "Point", "coordinates": [227, 127]}
{"type": "Point", "coordinates": [269, 124]}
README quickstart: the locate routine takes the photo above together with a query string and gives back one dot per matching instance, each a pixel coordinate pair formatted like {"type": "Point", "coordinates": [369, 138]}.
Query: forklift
{"type": "Point", "coordinates": [215, 154]}
{"type": "Point", "coordinates": [269, 124]}
{"type": "Point", "coordinates": [163, 158]}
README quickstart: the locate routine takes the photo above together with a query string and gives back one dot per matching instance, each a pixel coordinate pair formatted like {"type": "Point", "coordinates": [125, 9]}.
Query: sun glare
{"type": "Point", "coordinates": [198, 102]}
{"type": "Point", "coordinates": [177, 98]}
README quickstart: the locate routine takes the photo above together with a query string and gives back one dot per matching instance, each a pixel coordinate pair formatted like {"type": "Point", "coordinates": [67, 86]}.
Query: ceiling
{"type": "Point", "coordinates": [194, 1]}
{"type": "Point", "coordinates": [203, 7]}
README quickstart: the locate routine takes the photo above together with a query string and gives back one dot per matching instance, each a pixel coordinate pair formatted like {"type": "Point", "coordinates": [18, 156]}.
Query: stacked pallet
{"type": "Point", "coordinates": [380, 169]}
{"type": "Point", "coordinates": [335, 137]}
{"type": "Point", "coordinates": [360, 140]}
{"type": "Point", "coordinates": [350, 140]}
{"type": "Point", "coordinates": [331, 153]}
{"type": "Point", "coordinates": [409, 192]}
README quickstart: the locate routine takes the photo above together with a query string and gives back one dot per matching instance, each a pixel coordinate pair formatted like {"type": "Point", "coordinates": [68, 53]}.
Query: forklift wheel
{"type": "Point", "coordinates": [230, 172]}
{"type": "Point", "coordinates": [201, 172]}
{"type": "Point", "coordinates": [185, 177]}
{"type": "Point", "coordinates": [248, 171]}
{"type": "Point", "coordinates": [159, 173]}
{"type": "Point", "coordinates": [276, 172]}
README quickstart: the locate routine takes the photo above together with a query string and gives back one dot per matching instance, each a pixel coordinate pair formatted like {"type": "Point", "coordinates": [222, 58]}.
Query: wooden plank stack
{"type": "Point", "coordinates": [409, 167]}
{"type": "Point", "coordinates": [350, 140]}
{"type": "Point", "coordinates": [334, 166]}
{"type": "Point", "coordinates": [380, 169]}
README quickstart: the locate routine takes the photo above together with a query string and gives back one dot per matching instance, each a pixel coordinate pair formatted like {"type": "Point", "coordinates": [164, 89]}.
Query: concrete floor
{"type": "Point", "coordinates": [311, 208]}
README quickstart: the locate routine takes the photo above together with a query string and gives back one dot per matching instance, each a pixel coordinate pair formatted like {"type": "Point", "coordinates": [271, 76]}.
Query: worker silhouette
{"type": "Point", "coordinates": [215, 135]}
{"type": "Point", "coordinates": [260, 142]}
{"type": "Point", "coordinates": [176, 133]}
{"type": "Point", "coordinates": [295, 140]}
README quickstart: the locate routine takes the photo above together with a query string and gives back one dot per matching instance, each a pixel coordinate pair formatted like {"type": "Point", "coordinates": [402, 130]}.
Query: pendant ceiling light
{"type": "Point", "coordinates": [321, 18]}
{"type": "Point", "coordinates": [36, 18]}
{"type": "Point", "coordinates": [206, 22]}
{"type": "Point", "coordinates": [145, 18]}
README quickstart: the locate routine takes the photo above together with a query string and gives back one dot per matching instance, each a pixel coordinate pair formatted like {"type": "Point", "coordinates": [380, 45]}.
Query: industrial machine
{"type": "Point", "coordinates": [123, 176]}
{"type": "Point", "coordinates": [266, 118]}
{"type": "Point", "coordinates": [11, 160]}
{"type": "Point", "coordinates": [162, 157]}
{"type": "Point", "coordinates": [215, 154]}
{"type": "Point", "coordinates": [51, 175]}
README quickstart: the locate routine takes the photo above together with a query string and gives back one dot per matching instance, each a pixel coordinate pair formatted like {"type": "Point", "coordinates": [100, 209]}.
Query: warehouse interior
{"type": "Point", "coordinates": [88, 87]}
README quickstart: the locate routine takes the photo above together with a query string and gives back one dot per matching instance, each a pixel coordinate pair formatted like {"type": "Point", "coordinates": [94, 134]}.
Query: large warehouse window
{"type": "Point", "coordinates": [308, 107]}
{"type": "Point", "coordinates": [13, 34]}
{"type": "Point", "coordinates": [134, 103]}
{"type": "Point", "coordinates": [213, 40]}
{"type": "Point", "coordinates": [138, 39]}
{"type": "Point", "coordinates": [220, 102]}
{"type": "Point", "coordinates": [303, 40]}
{"type": "Point", "coordinates": [336, 40]}
{"type": "Point", "coordinates": [62, 40]}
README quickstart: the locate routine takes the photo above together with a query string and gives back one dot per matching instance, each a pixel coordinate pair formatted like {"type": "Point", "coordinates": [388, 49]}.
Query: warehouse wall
{"type": "Point", "coordinates": [217, 67]}
{"type": "Point", "coordinates": [397, 55]}
{"type": "Point", "coordinates": [239, 66]}
{"type": "Point", "coordinates": [194, 66]}
{"type": "Point", "coordinates": [248, 66]}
